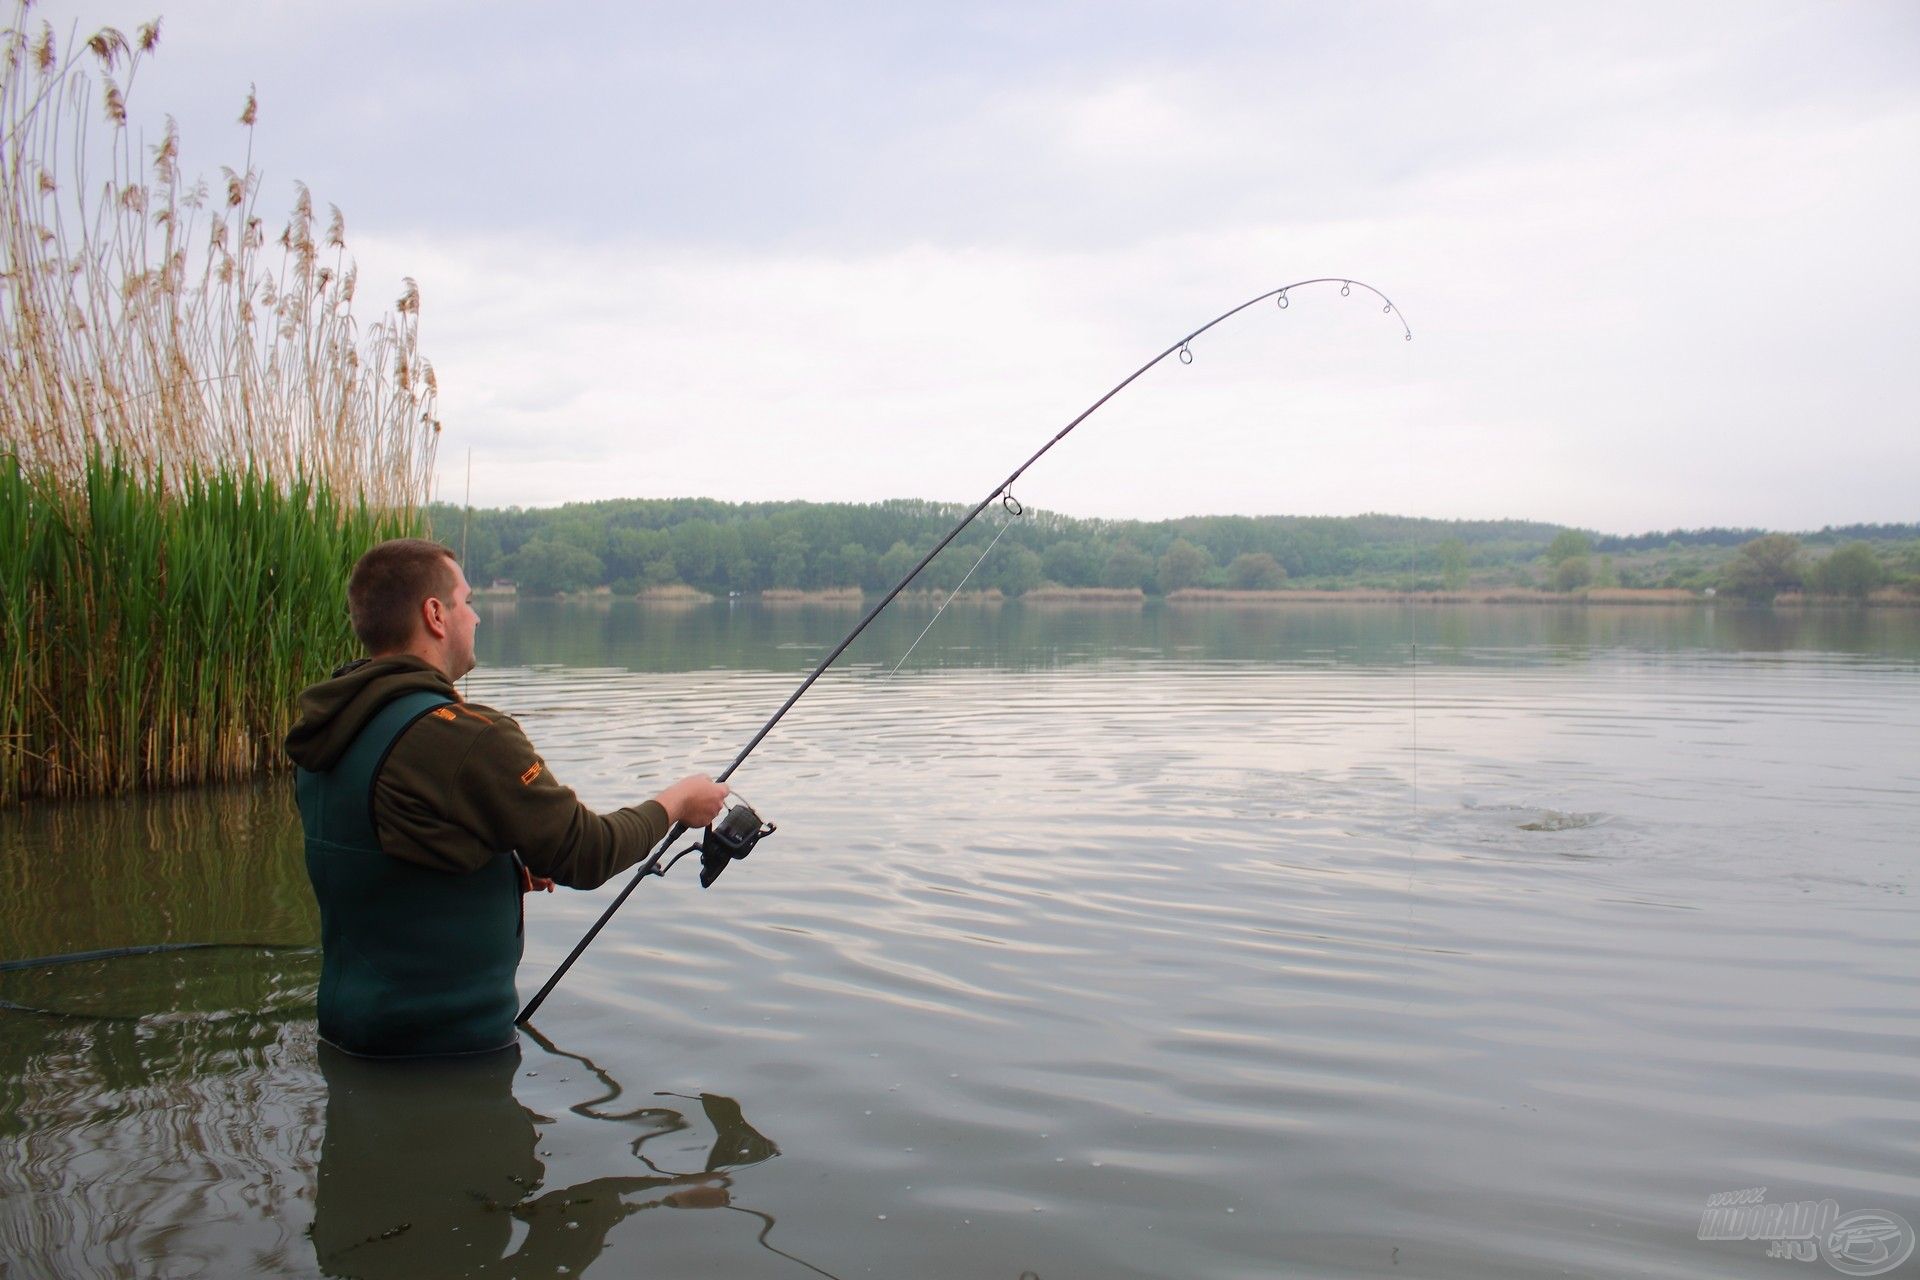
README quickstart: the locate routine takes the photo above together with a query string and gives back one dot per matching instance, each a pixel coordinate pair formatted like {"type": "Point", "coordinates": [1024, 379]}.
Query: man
{"type": "Point", "coordinates": [427, 817]}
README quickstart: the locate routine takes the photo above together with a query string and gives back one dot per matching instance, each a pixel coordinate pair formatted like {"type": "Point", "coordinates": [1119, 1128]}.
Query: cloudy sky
{"type": "Point", "coordinates": [1660, 260]}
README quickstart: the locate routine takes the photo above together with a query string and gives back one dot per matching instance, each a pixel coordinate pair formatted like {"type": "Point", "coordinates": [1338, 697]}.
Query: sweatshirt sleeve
{"type": "Point", "coordinates": [522, 806]}
{"type": "Point", "coordinates": [464, 786]}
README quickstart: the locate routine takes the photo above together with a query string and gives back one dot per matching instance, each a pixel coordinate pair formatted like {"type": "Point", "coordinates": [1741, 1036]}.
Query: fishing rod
{"type": "Point", "coordinates": [738, 828]}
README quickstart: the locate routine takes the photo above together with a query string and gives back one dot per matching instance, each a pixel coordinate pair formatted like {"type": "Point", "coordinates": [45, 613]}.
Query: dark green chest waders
{"type": "Point", "coordinates": [414, 961]}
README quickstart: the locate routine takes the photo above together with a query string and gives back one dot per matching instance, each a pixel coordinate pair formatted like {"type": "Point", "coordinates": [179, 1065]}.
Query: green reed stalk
{"type": "Point", "coordinates": [197, 439]}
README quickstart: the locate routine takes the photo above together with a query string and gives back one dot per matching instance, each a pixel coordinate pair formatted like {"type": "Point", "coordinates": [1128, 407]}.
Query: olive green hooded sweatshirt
{"type": "Point", "coordinates": [462, 784]}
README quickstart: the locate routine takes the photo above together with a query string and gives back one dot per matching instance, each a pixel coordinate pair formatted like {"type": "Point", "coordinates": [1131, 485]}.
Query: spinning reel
{"type": "Point", "coordinates": [731, 835]}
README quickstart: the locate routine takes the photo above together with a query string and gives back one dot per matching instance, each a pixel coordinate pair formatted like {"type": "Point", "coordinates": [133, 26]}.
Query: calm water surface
{"type": "Point", "coordinates": [1093, 943]}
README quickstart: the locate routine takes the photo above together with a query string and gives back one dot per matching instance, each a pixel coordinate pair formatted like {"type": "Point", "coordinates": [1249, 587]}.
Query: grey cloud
{"type": "Point", "coordinates": [1660, 255]}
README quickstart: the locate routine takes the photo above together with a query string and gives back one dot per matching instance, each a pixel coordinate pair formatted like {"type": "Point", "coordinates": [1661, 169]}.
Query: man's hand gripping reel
{"type": "Point", "coordinates": [732, 835]}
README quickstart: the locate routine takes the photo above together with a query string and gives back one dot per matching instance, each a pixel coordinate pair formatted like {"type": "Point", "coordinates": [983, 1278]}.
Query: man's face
{"type": "Point", "coordinates": [461, 621]}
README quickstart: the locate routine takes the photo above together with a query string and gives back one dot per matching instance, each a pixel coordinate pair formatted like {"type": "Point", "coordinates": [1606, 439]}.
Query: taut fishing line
{"type": "Point", "coordinates": [1014, 512]}
{"type": "Point", "coordinates": [716, 851]}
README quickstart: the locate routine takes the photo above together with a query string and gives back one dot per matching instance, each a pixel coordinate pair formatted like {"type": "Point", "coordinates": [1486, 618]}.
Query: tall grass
{"type": "Point", "coordinates": [197, 438]}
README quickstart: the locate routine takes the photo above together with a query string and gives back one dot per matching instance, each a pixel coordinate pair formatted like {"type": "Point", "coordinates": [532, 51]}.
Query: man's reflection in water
{"type": "Point", "coordinates": [427, 1168]}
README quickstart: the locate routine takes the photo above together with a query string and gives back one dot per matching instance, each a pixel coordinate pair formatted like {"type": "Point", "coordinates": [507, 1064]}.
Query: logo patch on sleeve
{"type": "Point", "coordinates": [526, 779]}
{"type": "Point", "coordinates": [444, 714]}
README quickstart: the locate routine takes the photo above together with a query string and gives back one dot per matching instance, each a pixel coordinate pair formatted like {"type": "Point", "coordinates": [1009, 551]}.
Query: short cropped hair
{"type": "Point", "coordinates": [388, 586]}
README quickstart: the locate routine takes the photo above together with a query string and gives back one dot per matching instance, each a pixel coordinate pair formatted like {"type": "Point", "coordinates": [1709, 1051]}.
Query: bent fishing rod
{"type": "Point", "coordinates": [737, 829]}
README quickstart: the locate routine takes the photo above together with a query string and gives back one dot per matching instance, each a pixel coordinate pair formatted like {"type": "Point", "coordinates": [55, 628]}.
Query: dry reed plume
{"type": "Point", "coordinates": [196, 437]}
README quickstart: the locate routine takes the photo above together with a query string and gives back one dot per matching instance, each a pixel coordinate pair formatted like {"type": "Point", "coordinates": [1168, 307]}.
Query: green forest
{"type": "Point", "coordinates": [630, 545]}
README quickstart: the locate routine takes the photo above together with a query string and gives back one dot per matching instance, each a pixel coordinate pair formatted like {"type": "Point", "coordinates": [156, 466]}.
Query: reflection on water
{"type": "Point", "coordinates": [175, 1127]}
{"type": "Point", "coordinates": [164, 980]}
{"type": "Point", "coordinates": [1151, 942]}
{"type": "Point", "coordinates": [216, 864]}
{"type": "Point", "coordinates": [182, 1139]}
{"type": "Point", "coordinates": [435, 1168]}
{"type": "Point", "coordinates": [1019, 637]}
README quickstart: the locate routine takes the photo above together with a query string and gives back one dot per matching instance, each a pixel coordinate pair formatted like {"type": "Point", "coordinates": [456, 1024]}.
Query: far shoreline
{"type": "Point", "coordinates": [1887, 598]}
{"type": "Point", "coordinates": [1213, 597]}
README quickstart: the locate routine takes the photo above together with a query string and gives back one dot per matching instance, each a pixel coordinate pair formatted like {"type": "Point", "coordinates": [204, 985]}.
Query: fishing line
{"type": "Point", "coordinates": [121, 953]}
{"type": "Point", "coordinates": [1014, 512]}
{"type": "Point", "coordinates": [149, 949]}
{"type": "Point", "coordinates": [1183, 347]}
{"type": "Point", "coordinates": [1413, 750]}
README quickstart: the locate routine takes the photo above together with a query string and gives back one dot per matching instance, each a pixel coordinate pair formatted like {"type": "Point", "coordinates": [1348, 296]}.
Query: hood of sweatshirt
{"type": "Point", "coordinates": [333, 712]}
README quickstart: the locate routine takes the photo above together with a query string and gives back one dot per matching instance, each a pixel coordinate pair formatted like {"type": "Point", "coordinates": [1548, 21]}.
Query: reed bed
{"type": "Point", "coordinates": [674, 596]}
{"type": "Point", "coordinates": [937, 595]}
{"type": "Point", "coordinates": [1364, 595]}
{"type": "Point", "coordinates": [197, 438]}
{"type": "Point", "coordinates": [849, 596]}
{"type": "Point", "coordinates": [1370, 595]}
{"type": "Point", "coordinates": [1894, 597]}
{"type": "Point", "coordinates": [1052, 594]}
{"type": "Point", "coordinates": [1642, 595]}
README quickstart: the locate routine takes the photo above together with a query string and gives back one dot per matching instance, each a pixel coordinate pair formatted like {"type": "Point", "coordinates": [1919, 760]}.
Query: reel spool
{"type": "Point", "coordinates": [732, 835]}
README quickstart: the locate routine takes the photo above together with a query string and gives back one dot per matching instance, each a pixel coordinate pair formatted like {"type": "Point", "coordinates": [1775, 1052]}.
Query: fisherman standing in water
{"type": "Point", "coordinates": [427, 817]}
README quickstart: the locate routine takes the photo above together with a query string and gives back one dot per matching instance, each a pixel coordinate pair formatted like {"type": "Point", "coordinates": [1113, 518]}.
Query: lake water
{"type": "Point", "coordinates": [1196, 942]}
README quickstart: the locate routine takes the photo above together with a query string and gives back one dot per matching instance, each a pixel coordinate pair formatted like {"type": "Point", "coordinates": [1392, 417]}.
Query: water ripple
{"type": "Point", "coordinates": [1116, 955]}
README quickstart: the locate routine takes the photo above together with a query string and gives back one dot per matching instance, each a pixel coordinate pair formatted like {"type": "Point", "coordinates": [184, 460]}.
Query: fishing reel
{"type": "Point", "coordinates": [732, 834]}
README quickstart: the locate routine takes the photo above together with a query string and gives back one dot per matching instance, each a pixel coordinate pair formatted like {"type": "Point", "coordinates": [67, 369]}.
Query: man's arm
{"type": "Point", "coordinates": [498, 794]}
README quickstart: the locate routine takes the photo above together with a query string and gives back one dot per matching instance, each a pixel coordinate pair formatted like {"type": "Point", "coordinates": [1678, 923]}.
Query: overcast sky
{"type": "Point", "coordinates": [1660, 260]}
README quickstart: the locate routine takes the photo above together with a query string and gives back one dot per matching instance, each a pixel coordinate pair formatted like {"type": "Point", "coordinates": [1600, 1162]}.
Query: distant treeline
{"type": "Point", "coordinates": [632, 544]}
{"type": "Point", "coordinates": [1832, 535]}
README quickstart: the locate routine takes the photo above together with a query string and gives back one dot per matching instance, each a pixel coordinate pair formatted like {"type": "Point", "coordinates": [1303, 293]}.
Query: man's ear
{"type": "Point", "coordinates": [434, 614]}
